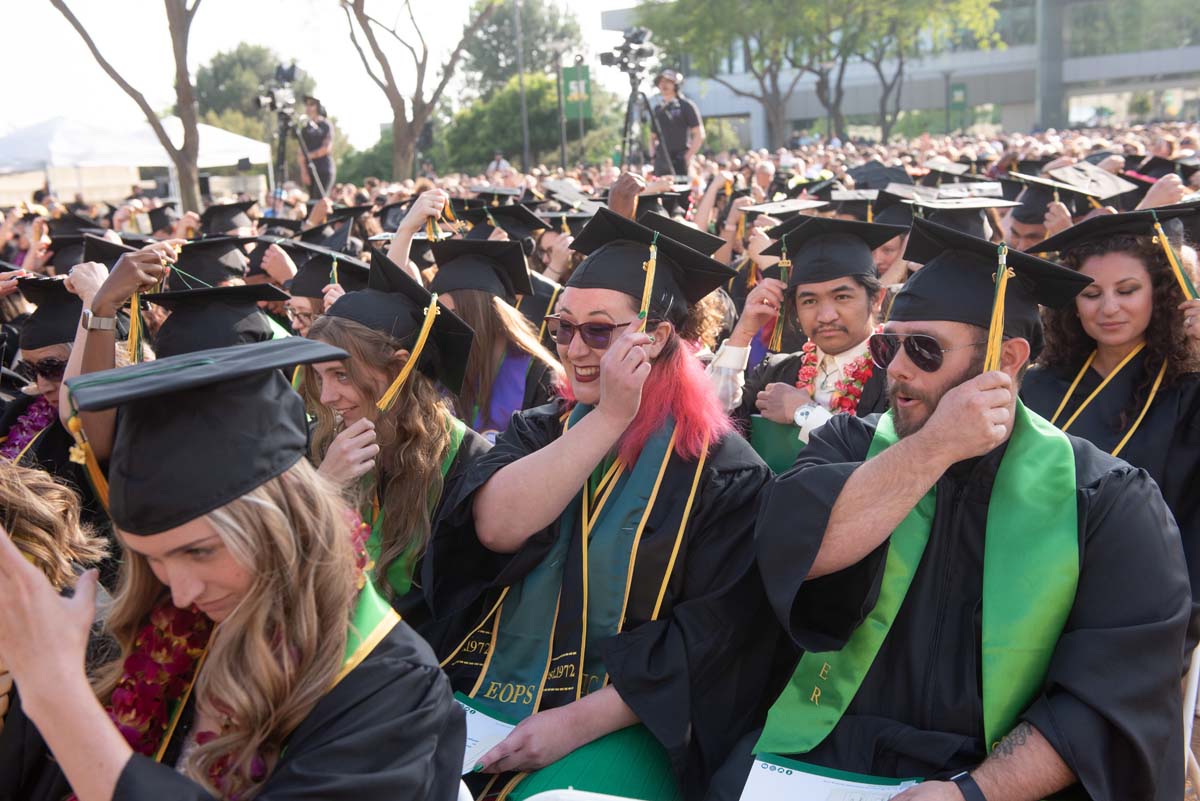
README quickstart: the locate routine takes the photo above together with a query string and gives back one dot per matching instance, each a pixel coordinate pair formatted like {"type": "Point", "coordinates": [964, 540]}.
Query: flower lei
{"type": "Point", "coordinates": [162, 665]}
{"type": "Point", "coordinates": [848, 390]}
{"type": "Point", "coordinates": [34, 421]}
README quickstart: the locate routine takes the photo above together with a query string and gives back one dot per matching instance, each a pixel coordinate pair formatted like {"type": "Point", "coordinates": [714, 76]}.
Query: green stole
{"type": "Point", "coordinates": [778, 444]}
{"type": "Point", "coordinates": [277, 330]}
{"type": "Point", "coordinates": [535, 654]}
{"type": "Point", "coordinates": [1030, 573]}
{"type": "Point", "coordinates": [399, 573]}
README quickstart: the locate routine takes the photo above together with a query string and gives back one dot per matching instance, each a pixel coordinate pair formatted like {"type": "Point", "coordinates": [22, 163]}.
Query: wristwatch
{"type": "Point", "coordinates": [967, 786]}
{"type": "Point", "coordinates": [93, 323]}
{"type": "Point", "coordinates": [802, 412]}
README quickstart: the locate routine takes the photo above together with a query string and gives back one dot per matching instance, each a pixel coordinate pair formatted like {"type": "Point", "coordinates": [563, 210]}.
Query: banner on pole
{"type": "Point", "coordinates": [578, 101]}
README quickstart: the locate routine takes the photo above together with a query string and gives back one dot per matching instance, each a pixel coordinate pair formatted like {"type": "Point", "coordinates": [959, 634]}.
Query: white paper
{"type": "Point", "coordinates": [484, 733]}
{"type": "Point", "coordinates": [771, 782]}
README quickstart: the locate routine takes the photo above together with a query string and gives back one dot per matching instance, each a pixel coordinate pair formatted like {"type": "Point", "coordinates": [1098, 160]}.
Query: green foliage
{"type": "Point", "coordinates": [1100, 28]}
{"type": "Point", "coordinates": [719, 134]}
{"type": "Point", "coordinates": [490, 56]}
{"type": "Point", "coordinates": [233, 80]}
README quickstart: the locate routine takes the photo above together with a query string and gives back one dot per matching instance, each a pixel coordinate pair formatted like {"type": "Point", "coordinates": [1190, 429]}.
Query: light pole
{"type": "Point", "coordinates": [582, 148]}
{"type": "Point", "coordinates": [521, 86]}
{"type": "Point", "coordinates": [559, 46]}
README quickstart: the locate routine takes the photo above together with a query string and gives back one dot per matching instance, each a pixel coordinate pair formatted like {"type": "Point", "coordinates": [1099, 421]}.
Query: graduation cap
{"type": "Point", "coordinates": [1040, 192]}
{"type": "Point", "coordinates": [669, 203]}
{"type": "Point", "coordinates": [1156, 167]}
{"type": "Point", "coordinates": [664, 276]}
{"type": "Point", "coordinates": [965, 214]}
{"type": "Point", "coordinates": [136, 240]}
{"type": "Point", "coordinates": [391, 215]}
{"type": "Point", "coordinates": [216, 317]}
{"type": "Point", "coordinates": [1101, 155]}
{"type": "Point", "coordinates": [889, 208]}
{"type": "Point", "coordinates": [565, 193]}
{"type": "Point", "coordinates": [71, 222]}
{"type": "Point", "coordinates": [437, 339]}
{"type": "Point", "coordinates": [875, 175]}
{"type": "Point", "coordinates": [57, 315]}
{"type": "Point", "coordinates": [225, 217]}
{"type": "Point", "coordinates": [460, 205]}
{"type": "Point", "coordinates": [565, 222]}
{"type": "Point", "coordinates": [322, 267]}
{"type": "Point", "coordinates": [99, 249]}
{"type": "Point", "coordinates": [497, 268]}
{"type": "Point", "coordinates": [855, 202]}
{"type": "Point", "coordinates": [1034, 166]}
{"type": "Point", "coordinates": [824, 248]}
{"type": "Point", "coordinates": [280, 226]}
{"type": "Point", "coordinates": [783, 209]}
{"type": "Point", "coordinates": [164, 217]}
{"type": "Point", "coordinates": [682, 233]}
{"type": "Point", "coordinates": [943, 170]}
{"type": "Point", "coordinates": [340, 241]}
{"type": "Point", "coordinates": [971, 189]}
{"type": "Point", "coordinates": [515, 220]}
{"type": "Point", "coordinates": [1089, 178]}
{"type": "Point", "coordinates": [66, 251]}
{"type": "Point", "coordinates": [208, 262]}
{"type": "Point", "coordinates": [958, 282]}
{"type": "Point", "coordinates": [498, 195]}
{"type": "Point", "coordinates": [228, 416]}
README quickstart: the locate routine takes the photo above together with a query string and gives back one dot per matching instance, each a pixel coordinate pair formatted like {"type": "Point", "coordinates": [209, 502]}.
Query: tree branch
{"type": "Point", "coordinates": [362, 55]}
{"type": "Point", "coordinates": [420, 36]}
{"type": "Point", "coordinates": [734, 89]}
{"type": "Point", "coordinates": [391, 87]}
{"type": "Point", "coordinates": [456, 55]}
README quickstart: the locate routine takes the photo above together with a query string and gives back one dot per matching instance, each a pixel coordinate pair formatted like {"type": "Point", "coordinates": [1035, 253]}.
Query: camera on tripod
{"type": "Point", "coordinates": [279, 96]}
{"type": "Point", "coordinates": [632, 54]}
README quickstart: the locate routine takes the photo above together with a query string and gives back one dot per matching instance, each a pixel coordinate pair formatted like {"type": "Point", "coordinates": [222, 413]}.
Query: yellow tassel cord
{"type": "Point", "coordinates": [134, 343]}
{"type": "Point", "coordinates": [785, 275]}
{"type": "Point", "coordinates": [432, 231]}
{"type": "Point", "coordinates": [566, 229]}
{"type": "Point", "coordinates": [414, 356]}
{"type": "Point", "coordinates": [298, 377]}
{"type": "Point", "coordinates": [870, 213]}
{"type": "Point", "coordinates": [82, 454]}
{"type": "Point", "coordinates": [741, 227]}
{"type": "Point", "coordinates": [728, 189]}
{"type": "Point", "coordinates": [649, 266]}
{"type": "Point", "coordinates": [1095, 203]}
{"type": "Point", "coordinates": [333, 273]}
{"type": "Point", "coordinates": [995, 338]}
{"type": "Point", "coordinates": [1185, 283]}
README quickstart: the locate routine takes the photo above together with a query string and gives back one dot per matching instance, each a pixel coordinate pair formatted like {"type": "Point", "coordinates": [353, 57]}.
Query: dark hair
{"type": "Point", "coordinates": [1068, 345]}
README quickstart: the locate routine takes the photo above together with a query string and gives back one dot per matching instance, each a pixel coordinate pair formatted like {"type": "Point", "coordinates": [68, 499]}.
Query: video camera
{"type": "Point", "coordinates": [279, 96]}
{"type": "Point", "coordinates": [632, 55]}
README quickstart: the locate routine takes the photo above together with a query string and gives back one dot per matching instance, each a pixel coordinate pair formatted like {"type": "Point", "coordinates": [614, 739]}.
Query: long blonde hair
{"type": "Point", "coordinates": [412, 437]}
{"type": "Point", "coordinates": [493, 320]}
{"type": "Point", "coordinates": [278, 652]}
{"type": "Point", "coordinates": [42, 517]}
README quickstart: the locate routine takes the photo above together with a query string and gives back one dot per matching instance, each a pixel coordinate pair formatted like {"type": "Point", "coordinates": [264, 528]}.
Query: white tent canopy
{"type": "Point", "coordinates": [66, 142]}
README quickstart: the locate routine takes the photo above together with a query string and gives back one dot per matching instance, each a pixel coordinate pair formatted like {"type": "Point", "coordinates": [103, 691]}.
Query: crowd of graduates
{"type": "Point", "coordinates": [874, 458]}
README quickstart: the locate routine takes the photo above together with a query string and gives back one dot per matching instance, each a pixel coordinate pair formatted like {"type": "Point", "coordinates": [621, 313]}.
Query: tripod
{"type": "Point", "coordinates": [288, 125]}
{"type": "Point", "coordinates": [638, 107]}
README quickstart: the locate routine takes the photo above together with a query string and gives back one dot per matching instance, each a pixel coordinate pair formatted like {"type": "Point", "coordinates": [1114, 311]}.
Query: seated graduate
{"type": "Point", "coordinates": [384, 432]}
{"type": "Point", "coordinates": [42, 517]}
{"type": "Point", "coordinates": [932, 650]}
{"type": "Point", "coordinates": [509, 369]}
{"type": "Point", "coordinates": [255, 657]}
{"type": "Point", "coordinates": [1120, 364]}
{"type": "Point", "coordinates": [831, 282]}
{"type": "Point", "coordinates": [610, 595]}
{"type": "Point", "coordinates": [322, 277]}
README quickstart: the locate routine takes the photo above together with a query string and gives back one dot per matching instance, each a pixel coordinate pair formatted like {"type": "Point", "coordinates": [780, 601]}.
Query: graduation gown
{"type": "Point", "coordinates": [522, 382]}
{"type": "Point", "coordinates": [784, 368]}
{"type": "Point", "coordinates": [535, 307]}
{"type": "Point", "coordinates": [1166, 444]}
{"type": "Point", "coordinates": [1110, 702]}
{"type": "Point", "coordinates": [389, 730]}
{"type": "Point", "coordinates": [714, 625]}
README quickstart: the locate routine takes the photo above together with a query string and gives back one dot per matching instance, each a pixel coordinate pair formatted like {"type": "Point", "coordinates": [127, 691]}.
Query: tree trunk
{"type": "Point", "coordinates": [776, 110]}
{"type": "Point", "coordinates": [185, 158]}
{"type": "Point", "coordinates": [404, 140]}
{"type": "Point", "coordinates": [189, 182]}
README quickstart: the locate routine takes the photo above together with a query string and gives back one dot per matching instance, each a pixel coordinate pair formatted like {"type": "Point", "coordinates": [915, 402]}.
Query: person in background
{"type": "Point", "coordinates": [317, 134]}
{"type": "Point", "coordinates": [682, 128]}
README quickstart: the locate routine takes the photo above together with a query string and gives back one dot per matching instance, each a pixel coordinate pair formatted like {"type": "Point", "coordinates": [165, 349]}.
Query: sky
{"type": "Point", "coordinates": [62, 78]}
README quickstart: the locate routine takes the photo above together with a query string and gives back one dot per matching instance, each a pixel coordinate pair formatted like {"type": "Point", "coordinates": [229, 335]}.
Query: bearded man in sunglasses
{"type": "Point", "coordinates": [984, 603]}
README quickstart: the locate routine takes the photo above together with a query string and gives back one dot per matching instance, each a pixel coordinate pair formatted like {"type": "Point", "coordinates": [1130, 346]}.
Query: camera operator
{"type": "Point", "coordinates": [681, 126]}
{"type": "Point", "coordinates": [317, 134]}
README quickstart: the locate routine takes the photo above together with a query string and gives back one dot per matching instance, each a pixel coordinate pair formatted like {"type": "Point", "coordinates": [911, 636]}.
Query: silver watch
{"type": "Point", "coordinates": [802, 412]}
{"type": "Point", "coordinates": [93, 323]}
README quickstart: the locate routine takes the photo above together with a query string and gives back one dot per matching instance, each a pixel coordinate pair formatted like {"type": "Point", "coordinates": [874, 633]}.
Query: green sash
{"type": "Point", "coordinates": [536, 651]}
{"type": "Point", "coordinates": [399, 574]}
{"type": "Point", "coordinates": [1031, 570]}
{"type": "Point", "coordinates": [373, 618]}
{"type": "Point", "coordinates": [629, 763]}
{"type": "Point", "coordinates": [277, 330]}
{"type": "Point", "coordinates": [777, 443]}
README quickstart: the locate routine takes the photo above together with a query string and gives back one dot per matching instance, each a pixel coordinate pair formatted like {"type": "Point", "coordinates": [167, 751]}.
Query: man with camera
{"type": "Point", "coordinates": [679, 123]}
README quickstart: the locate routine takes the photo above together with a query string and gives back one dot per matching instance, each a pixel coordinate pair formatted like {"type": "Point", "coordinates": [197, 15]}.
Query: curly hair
{"type": "Point", "coordinates": [1068, 345]}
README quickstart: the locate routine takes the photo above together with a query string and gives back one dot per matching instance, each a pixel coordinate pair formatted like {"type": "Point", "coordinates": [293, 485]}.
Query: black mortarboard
{"type": "Point", "coordinates": [498, 195]}
{"type": "Point", "coordinates": [958, 283]}
{"type": "Point", "coordinates": [855, 202]}
{"type": "Point", "coordinates": [340, 241]}
{"type": "Point", "coordinates": [824, 248]}
{"type": "Point", "coordinates": [967, 189]}
{"type": "Point", "coordinates": [1158, 167]}
{"type": "Point", "coordinates": [1034, 166]}
{"type": "Point", "coordinates": [136, 240]}
{"type": "Point", "coordinates": [461, 204]}
{"type": "Point", "coordinates": [226, 217]}
{"type": "Point", "coordinates": [99, 249]}
{"type": "Point", "coordinates": [515, 220]}
{"type": "Point", "coordinates": [1137, 223]}
{"type": "Point", "coordinates": [618, 250]}
{"type": "Point", "coordinates": [682, 233]}
{"type": "Point", "coordinates": [889, 208]}
{"type": "Point", "coordinates": [220, 317]}
{"type": "Point", "coordinates": [340, 213]}
{"type": "Point", "coordinates": [392, 214]}
{"type": "Point", "coordinates": [1040, 192]}
{"type": "Point", "coordinates": [71, 223]}
{"type": "Point", "coordinates": [396, 305]}
{"type": "Point", "coordinates": [497, 268]}
{"type": "Point", "coordinates": [943, 170]}
{"type": "Point", "coordinates": [570, 197]}
{"type": "Point", "coordinates": [66, 251]}
{"type": "Point", "coordinates": [783, 209]}
{"type": "Point", "coordinates": [57, 314]}
{"type": "Point", "coordinates": [324, 267]}
{"type": "Point", "coordinates": [669, 203]}
{"type": "Point", "coordinates": [565, 222]}
{"type": "Point", "coordinates": [164, 217]}
{"type": "Point", "coordinates": [208, 262]}
{"type": "Point", "coordinates": [199, 430]}
{"type": "Point", "coordinates": [965, 214]}
{"type": "Point", "coordinates": [875, 175]}
{"type": "Point", "coordinates": [1093, 180]}
{"type": "Point", "coordinates": [279, 226]}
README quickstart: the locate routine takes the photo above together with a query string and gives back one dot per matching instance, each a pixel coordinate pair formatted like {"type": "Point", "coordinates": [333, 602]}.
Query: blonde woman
{"type": "Point", "coordinates": [509, 370]}
{"type": "Point", "coordinates": [255, 660]}
{"type": "Point", "coordinates": [384, 433]}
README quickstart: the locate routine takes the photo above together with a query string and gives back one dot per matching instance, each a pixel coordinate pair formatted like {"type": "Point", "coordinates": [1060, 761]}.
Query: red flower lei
{"type": "Point", "coordinates": [847, 392]}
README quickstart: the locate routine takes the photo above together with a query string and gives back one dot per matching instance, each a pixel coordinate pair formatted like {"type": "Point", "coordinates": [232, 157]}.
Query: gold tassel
{"type": "Point", "coordinates": [741, 227]}
{"type": "Point", "coordinates": [298, 377]}
{"type": "Point", "coordinates": [1095, 203]}
{"type": "Point", "coordinates": [870, 213]}
{"type": "Point", "coordinates": [995, 339]}
{"type": "Point", "coordinates": [566, 229]}
{"type": "Point", "coordinates": [785, 275]}
{"type": "Point", "coordinates": [82, 454]}
{"type": "Point", "coordinates": [134, 343]}
{"type": "Point", "coordinates": [393, 391]}
{"type": "Point", "coordinates": [648, 290]}
{"type": "Point", "coordinates": [1185, 283]}
{"type": "Point", "coordinates": [333, 273]}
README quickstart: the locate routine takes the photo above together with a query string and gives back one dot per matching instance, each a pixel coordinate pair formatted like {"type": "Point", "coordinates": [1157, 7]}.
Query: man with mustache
{"type": "Point", "coordinates": [984, 602]}
{"type": "Point", "coordinates": [833, 287]}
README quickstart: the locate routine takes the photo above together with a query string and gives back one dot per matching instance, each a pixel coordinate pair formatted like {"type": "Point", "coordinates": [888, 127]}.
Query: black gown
{"type": "Point", "coordinates": [785, 368]}
{"type": "Point", "coordinates": [1110, 704]}
{"type": "Point", "coordinates": [1166, 445]}
{"type": "Point", "coordinates": [389, 730]}
{"type": "Point", "coordinates": [535, 307]}
{"type": "Point", "coordinates": [671, 670]}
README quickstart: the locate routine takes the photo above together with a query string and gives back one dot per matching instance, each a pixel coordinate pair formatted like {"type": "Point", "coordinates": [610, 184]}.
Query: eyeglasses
{"type": "Point", "coordinates": [925, 352]}
{"type": "Point", "coordinates": [304, 318]}
{"type": "Point", "coordinates": [597, 336]}
{"type": "Point", "coordinates": [52, 369]}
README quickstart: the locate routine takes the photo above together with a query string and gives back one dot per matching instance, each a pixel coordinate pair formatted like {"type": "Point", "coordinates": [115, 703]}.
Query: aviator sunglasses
{"type": "Point", "coordinates": [923, 350]}
{"type": "Point", "coordinates": [52, 369]}
{"type": "Point", "coordinates": [597, 336]}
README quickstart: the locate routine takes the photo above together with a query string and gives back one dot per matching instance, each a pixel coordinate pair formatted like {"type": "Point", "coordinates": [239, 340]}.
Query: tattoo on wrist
{"type": "Point", "coordinates": [1015, 739]}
